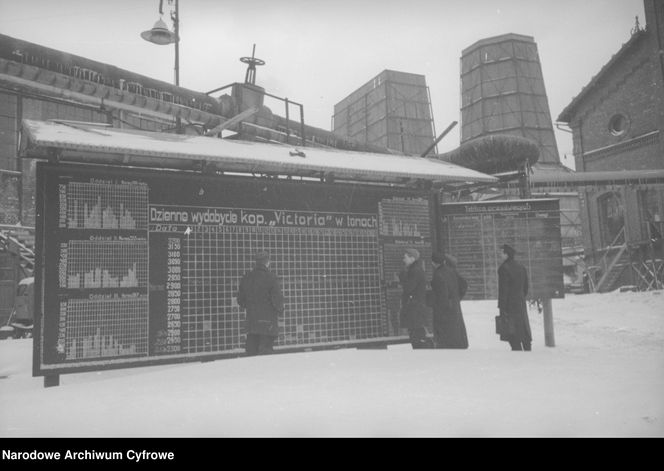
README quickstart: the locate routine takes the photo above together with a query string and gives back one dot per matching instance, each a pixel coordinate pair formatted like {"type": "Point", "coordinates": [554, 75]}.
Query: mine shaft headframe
{"type": "Point", "coordinates": [251, 62]}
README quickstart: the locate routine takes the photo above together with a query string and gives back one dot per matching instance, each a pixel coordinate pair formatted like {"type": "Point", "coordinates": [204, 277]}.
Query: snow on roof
{"type": "Point", "coordinates": [183, 151]}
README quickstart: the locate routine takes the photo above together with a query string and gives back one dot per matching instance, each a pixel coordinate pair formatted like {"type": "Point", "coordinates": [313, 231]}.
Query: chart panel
{"type": "Point", "coordinates": [475, 232]}
{"type": "Point", "coordinates": [140, 267]}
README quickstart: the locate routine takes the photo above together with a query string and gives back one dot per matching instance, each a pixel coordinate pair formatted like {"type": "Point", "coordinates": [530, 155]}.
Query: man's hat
{"type": "Point", "coordinates": [450, 259]}
{"type": "Point", "coordinates": [508, 249]}
{"type": "Point", "coordinates": [262, 257]}
{"type": "Point", "coordinates": [437, 257]}
{"type": "Point", "coordinates": [414, 253]}
{"type": "Point", "coordinates": [441, 258]}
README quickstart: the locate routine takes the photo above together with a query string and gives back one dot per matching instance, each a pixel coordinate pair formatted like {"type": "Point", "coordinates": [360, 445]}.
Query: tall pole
{"type": "Point", "coordinates": [160, 34]}
{"type": "Point", "coordinates": [524, 193]}
{"type": "Point", "coordinates": [549, 338]}
{"type": "Point", "coordinates": [176, 28]}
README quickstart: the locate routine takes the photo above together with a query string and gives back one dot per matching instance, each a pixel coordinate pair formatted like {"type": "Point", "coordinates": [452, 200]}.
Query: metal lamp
{"type": "Point", "coordinates": [159, 34]}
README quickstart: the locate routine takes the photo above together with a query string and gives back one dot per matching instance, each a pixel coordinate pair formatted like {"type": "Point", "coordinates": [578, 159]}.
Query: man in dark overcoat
{"type": "Point", "coordinates": [260, 294]}
{"type": "Point", "coordinates": [512, 291]}
{"type": "Point", "coordinates": [413, 299]}
{"type": "Point", "coordinates": [449, 329]}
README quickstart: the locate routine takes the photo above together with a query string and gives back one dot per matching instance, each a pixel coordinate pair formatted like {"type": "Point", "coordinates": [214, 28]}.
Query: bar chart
{"type": "Point", "coordinates": [106, 206]}
{"type": "Point", "coordinates": [106, 264]}
{"type": "Point", "coordinates": [107, 327]}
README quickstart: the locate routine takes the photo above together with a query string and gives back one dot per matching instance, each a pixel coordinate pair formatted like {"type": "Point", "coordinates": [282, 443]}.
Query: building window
{"type": "Point", "coordinates": [611, 217]}
{"type": "Point", "coordinates": [651, 204]}
{"type": "Point", "coordinates": [618, 124]}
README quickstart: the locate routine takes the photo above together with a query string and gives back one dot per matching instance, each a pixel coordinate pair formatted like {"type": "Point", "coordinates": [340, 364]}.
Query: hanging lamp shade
{"type": "Point", "coordinates": [159, 34]}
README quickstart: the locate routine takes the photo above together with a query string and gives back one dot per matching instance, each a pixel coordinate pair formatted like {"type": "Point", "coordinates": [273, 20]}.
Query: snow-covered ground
{"type": "Point", "coordinates": [604, 377]}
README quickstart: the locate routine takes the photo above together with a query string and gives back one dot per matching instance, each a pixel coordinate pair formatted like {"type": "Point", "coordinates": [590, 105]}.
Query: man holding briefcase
{"type": "Point", "coordinates": [513, 323]}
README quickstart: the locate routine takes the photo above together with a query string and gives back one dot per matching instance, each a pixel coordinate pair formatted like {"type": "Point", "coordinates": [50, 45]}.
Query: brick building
{"type": "Point", "coordinates": [617, 122]}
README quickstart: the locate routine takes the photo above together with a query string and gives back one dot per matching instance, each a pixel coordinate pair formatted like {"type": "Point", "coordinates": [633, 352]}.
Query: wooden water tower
{"type": "Point", "coordinates": [502, 92]}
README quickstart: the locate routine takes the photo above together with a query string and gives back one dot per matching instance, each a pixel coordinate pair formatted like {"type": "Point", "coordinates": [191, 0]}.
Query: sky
{"type": "Point", "coordinates": [603, 378]}
{"type": "Point", "coordinates": [318, 51]}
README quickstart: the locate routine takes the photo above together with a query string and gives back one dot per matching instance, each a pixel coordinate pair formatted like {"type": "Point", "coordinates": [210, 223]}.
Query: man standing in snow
{"type": "Point", "coordinates": [260, 294]}
{"type": "Point", "coordinates": [512, 291]}
{"type": "Point", "coordinates": [413, 303]}
{"type": "Point", "coordinates": [448, 288]}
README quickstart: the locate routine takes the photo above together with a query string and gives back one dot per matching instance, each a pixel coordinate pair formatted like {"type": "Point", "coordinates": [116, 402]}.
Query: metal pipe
{"type": "Point", "coordinates": [12, 227]}
{"type": "Point", "coordinates": [97, 101]}
{"type": "Point", "coordinates": [440, 138]}
{"type": "Point", "coordinates": [559, 128]}
{"type": "Point", "coordinates": [220, 89]}
{"type": "Point", "coordinates": [19, 161]}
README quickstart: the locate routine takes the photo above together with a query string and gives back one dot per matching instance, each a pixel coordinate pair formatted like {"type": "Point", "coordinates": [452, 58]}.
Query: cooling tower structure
{"type": "Point", "coordinates": [392, 110]}
{"type": "Point", "coordinates": [502, 92]}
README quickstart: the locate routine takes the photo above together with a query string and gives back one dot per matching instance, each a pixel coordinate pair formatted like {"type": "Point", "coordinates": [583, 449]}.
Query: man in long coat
{"type": "Point", "coordinates": [449, 330]}
{"type": "Point", "coordinates": [413, 299]}
{"type": "Point", "coordinates": [512, 291]}
{"type": "Point", "coordinates": [260, 294]}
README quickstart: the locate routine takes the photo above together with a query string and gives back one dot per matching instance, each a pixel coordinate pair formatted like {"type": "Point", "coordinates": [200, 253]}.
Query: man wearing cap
{"type": "Point", "coordinates": [413, 303]}
{"type": "Point", "coordinates": [260, 294]}
{"type": "Point", "coordinates": [449, 330]}
{"type": "Point", "coordinates": [512, 291]}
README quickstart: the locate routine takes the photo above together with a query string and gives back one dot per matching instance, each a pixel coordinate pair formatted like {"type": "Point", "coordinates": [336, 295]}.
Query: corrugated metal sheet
{"type": "Point", "coordinates": [94, 144]}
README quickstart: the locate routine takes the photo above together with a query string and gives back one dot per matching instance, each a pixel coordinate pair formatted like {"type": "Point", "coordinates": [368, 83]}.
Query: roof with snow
{"type": "Point", "coordinates": [569, 111]}
{"type": "Point", "coordinates": [90, 143]}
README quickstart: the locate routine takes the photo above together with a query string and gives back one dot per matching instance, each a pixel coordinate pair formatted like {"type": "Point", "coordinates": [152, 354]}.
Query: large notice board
{"type": "Point", "coordinates": [474, 233]}
{"type": "Point", "coordinates": [138, 267]}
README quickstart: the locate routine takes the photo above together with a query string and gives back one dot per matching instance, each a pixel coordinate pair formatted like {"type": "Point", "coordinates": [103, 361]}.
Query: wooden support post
{"type": "Point", "coordinates": [302, 131]}
{"type": "Point", "coordinates": [524, 182]}
{"type": "Point", "coordinates": [51, 380]}
{"type": "Point", "coordinates": [549, 339]}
